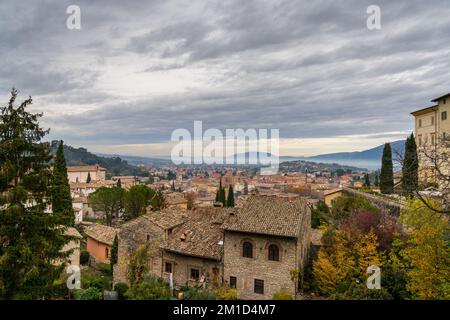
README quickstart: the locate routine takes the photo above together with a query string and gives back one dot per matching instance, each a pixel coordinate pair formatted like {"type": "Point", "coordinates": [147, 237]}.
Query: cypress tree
{"type": "Point", "coordinates": [410, 167]}
{"type": "Point", "coordinates": [377, 180]}
{"type": "Point", "coordinates": [119, 183]}
{"type": "Point", "coordinates": [88, 179]}
{"type": "Point", "coordinates": [217, 196]}
{"type": "Point", "coordinates": [366, 180]}
{"type": "Point", "coordinates": [31, 238]}
{"type": "Point", "coordinates": [223, 198]}
{"type": "Point", "coordinates": [387, 173]}
{"type": "Point", "coordinates": [114, 252]}
{"type": "Point", "coordinates": [230, 200]}
{"type": "Point", "coordinates": [61, 199]}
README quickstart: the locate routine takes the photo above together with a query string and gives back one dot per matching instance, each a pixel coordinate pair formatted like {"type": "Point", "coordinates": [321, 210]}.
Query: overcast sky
{"type": "Point", "coordinates": [137, 70]}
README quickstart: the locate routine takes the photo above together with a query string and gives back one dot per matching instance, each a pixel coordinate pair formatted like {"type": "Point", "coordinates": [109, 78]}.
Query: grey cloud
{"type": "Point", "coordinates": [311, 69]}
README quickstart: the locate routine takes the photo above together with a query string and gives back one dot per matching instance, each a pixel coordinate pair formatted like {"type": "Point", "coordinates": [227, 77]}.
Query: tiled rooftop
{"type": "Point", "coordinates": [270, 216]}
{"type": "Point", "coordinates": [101, 233]}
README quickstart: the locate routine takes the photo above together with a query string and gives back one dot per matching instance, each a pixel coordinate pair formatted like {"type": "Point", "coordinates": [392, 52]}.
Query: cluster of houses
{"type": "Point", "coordinates": [254, 248]}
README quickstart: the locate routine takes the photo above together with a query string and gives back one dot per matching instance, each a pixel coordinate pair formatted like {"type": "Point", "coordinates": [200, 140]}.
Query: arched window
{"type": "Point", "coordinates": [247, 250]}
{"type": "Point", "coordinates": [274, 253]}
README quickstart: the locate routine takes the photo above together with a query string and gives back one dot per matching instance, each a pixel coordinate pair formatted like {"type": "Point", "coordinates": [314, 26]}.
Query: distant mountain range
{"type": "Point", "coordinates": [370, 159]}
{"type": "Point", "coordinates": [367, 159]}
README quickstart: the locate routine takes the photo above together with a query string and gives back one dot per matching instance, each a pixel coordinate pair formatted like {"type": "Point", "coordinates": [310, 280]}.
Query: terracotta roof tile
{"type": "Point", "coordinates": [270, 216]}
{"type": "Point", "coordinates": [101, 233]}
{"type": "Point", "coordinates": [200, 235]}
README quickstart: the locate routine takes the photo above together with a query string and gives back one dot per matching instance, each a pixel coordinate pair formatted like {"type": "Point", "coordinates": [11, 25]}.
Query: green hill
{"type": "Point", "coordinates": [114, 166]}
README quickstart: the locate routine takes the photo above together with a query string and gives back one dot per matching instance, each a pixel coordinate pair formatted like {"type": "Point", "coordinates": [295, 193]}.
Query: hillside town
{"type": "Point", "coordinates": [317, 167]}
{"type": "Point", "coordinates": [232, 233]}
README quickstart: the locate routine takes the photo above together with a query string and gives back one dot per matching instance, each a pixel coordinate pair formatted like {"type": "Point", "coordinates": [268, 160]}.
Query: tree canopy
{"type": "Point", "coordinates": [31, 236]}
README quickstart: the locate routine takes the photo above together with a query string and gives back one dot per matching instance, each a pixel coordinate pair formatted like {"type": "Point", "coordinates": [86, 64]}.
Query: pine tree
{"type": "Point", "coordinates": [230, 200]}
{"type": "Point", "coordinates": [88, 179]}
{"type": "Point", "coordinates": [61, 199]}
{"type": "Point", "coordinates": [31, 239]}
{"type": "Point", "coordinates": [410, 167]}
{"type": "Point", "coordinates": [387, 173]}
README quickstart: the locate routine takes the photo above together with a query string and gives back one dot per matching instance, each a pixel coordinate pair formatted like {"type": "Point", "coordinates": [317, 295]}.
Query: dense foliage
{"type": "Point", "coordinates": [410, 168]}
{"type": "Point", "coordinates": [31, 236]}
{"type": "Point", "coordinates": [149, 288]}
{"type": "Point", "coordinates": [61, 199]}
{"type": "Point", "coordinates": [387, 173]}
{"type": "Point", "coordinates": [415, 264]}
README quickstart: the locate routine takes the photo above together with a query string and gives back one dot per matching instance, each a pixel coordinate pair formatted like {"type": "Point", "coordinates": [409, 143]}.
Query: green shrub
{"type": "Point", "coordinates": [198, 293]}
{"type": "Point", "coordinates": [88, 294]}
{"type": "Point", "coordinates": [282, 295]}
{"type": "Point", "coordinates": [226, 293]}
{"type": "Point", "coordinates": [121, 289]}
{"type": "Point", "coordinates": [84, 257]}
{"type": "Point", "coordinates": [100, 283]}
{"type": "Point", "coordinates": [104, 268]}
{"type": "Point", "coordinates": [150, 288]}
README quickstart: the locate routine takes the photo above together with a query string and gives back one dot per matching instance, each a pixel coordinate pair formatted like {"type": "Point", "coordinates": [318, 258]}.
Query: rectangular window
{"type": "Point", "coordinates": [420, 123]}
{"type": "Point", "coordinates": [168, 267]}
{"type": "Point", "coordinates": [233, 281]}
{"type": "Point", "coordinates": [432, 139]}
{"type": "Point", "coordinates": [259, 286]}
{"type": "Point", "coordinates": [432, 120]}
{"type": "Point", "coordinates": [444, 115]}
{"type": "Point", "coordinates": [419, 140]}
{"type": "Point", "coordinates": [195, 274]}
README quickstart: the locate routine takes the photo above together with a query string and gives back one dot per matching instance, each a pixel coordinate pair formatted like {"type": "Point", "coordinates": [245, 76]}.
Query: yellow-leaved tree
{"type": "Point", "coordinates": [366, 250]}
{"type": "Point", "coordinates": [427, 252]}
{"type": "Point", "coordinates": [334, 265]}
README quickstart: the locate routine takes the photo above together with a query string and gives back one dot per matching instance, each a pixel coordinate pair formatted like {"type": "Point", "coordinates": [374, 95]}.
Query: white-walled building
{"type": "Point", "coordinates": [81, 173]}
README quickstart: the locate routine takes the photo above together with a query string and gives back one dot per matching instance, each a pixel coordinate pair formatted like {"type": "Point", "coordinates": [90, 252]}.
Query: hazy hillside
{"type": "Point", "coordinates": [309, 166]}
{"type": "Point", "coordinates": [114, 166]}
{"type": "Point", "coordinates": [370, 158]}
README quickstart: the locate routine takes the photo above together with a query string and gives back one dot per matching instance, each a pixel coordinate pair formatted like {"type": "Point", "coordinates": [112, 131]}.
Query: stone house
{"type": "Point", "coordinates": [330, 195]}
{"type": "Point", "coordinates": [151, 229]}
{"type": "Point", "coordinates": [263, 242]}
{"type": "Point", "coordinates": [193, 253]}
{"type": "Point", "coordinates": [253, 248]}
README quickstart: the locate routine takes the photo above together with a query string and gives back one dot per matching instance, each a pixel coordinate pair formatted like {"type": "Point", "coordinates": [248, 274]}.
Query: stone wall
{"type": "Point", "coordinates": [133, 234]}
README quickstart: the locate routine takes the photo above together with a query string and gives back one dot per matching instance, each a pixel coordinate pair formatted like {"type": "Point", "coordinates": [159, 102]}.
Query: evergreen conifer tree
{"type": "Point", "coordinates": [31, 238]}
{"type": "Point", "coordinates": [410, 167]}
{"type": "Point", "coordinates": [387, 173]}
{"type": "Point", "coordinates": [61, 198]}
{"type": "Point", "coordinates": [230, 200]}
{"type": "Point", "coordinates": [114, 252]}
{"type": "Point", "coordinates": [366, 180]}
